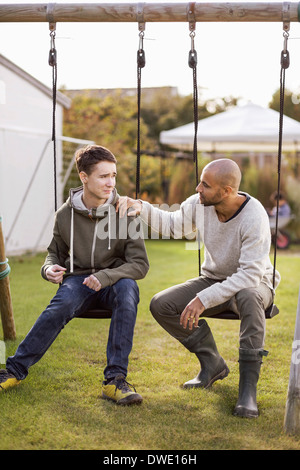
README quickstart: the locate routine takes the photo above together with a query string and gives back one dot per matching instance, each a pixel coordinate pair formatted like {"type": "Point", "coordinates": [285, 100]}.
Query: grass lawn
{"type": "Point", "coordinates": [58, 406]}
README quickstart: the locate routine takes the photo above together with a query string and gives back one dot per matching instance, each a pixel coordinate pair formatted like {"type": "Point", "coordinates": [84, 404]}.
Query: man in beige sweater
{"type": "Point", "coordinates": [96, 262]}
{"type": "Point", "coordinates": [236, 274]}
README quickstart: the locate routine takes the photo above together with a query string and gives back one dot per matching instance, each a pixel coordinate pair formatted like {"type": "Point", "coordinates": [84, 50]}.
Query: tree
{"type": "Point", "coordinates": [109, 118]}
{"type": "Point", "coordinates": [166, 111]}
{"type": "Point", "coordinates": [291, 104]}
{"type": "Point", "coordinates": [110, 122]}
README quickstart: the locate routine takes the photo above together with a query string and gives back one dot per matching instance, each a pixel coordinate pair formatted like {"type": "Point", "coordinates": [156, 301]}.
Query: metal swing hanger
{"type": "Point", "coordinates": [192, 28]}
{"type": "Point", "coordinates": [285, 59]}
{"type": "Point", "coordinates": [52, 52]}
{"type": "Point", "coordinates": [52, 29]}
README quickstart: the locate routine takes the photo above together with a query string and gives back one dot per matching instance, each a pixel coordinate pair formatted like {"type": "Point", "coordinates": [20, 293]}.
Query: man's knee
{"type": "Point", "coordinates": [63, 303]}
{"type": "Point", "coordinates": [159, 306]}
{"type": "Point", "coordinates": [249, 298]}
{"type": "Point", "coordinates": [154, 306]}
{"type": "Point", "coordinates": [127, 288]}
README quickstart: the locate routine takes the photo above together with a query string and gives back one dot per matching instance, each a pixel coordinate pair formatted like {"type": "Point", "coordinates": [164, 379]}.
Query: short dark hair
{"type": "Point", "coordinates": [90, 155]}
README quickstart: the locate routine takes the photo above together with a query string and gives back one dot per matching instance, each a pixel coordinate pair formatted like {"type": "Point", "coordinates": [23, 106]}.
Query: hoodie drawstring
{"type": "Point", "coordinates": [72, 242]}
{"type": "Point", "coordinates": [109, 246]}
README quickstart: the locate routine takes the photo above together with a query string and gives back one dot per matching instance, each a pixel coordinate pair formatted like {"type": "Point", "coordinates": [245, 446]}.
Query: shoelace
{"type": "Point", "coordinates": [122, 384]}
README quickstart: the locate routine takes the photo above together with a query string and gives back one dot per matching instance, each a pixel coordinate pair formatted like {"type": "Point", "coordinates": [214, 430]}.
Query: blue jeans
{"type": "Point", "coordinates": [71, 299]}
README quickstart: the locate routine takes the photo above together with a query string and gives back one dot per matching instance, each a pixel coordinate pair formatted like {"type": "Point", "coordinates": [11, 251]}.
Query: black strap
{"type": "Point", "coordinates": [141, 61]}
{"type": "Point", "coordinates": [53, 63]}
{"type": "Point", "coordinates": [193, 65]}
{"type": "Point", "coordinates": [285, 62]}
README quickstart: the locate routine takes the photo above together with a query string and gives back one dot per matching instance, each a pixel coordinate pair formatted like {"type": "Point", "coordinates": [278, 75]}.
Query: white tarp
{"type": "Point", "coordinates": [26, 159]}
{"type": "Point", "coordinates": [242, 128]}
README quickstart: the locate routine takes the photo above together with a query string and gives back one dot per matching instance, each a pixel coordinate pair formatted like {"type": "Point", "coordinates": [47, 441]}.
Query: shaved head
{"type": "Point", "coordinates": [225, 172]}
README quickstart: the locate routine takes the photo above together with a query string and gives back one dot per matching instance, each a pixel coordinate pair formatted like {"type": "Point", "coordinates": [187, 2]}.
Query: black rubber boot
{"type": "Point", "coordinates": [213, 367]}
{"type": "Point", "coordinates": [250, 361]}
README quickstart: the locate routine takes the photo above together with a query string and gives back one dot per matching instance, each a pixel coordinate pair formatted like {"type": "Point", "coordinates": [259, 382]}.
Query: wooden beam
{"type": "Point", "coordinates": [150, 12]}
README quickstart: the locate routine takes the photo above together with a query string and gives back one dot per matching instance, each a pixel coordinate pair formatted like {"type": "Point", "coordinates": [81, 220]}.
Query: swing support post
{"type": "Point", "coordinates": [8, 324]}
{"type": "Point", "coordinates": [292, 412]}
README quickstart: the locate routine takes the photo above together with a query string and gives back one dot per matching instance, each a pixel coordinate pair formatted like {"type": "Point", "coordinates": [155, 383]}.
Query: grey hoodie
{"type": "Point", "coordinates": [97, 242]}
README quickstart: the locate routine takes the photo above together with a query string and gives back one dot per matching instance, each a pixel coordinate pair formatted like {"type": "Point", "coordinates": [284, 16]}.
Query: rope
{"type": "Point", "coordinates": [5, 273]}
{"type": "Point", "coordinates": [53, 64]}
{"type": "Point", "coordinates": [140, 64]}
{"type": "Point", "coordinates": [195, 100]}
{"type": "Point", "coordinates": [138, 147]}
{"type": "Point", "coordinates": [193, 64]}
{"type": "Point", "coordinates": [285, 62]}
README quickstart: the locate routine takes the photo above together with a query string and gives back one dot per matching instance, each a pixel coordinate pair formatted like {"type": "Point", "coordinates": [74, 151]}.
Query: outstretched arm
{"type": "Point", "coordinates": [175, 221]}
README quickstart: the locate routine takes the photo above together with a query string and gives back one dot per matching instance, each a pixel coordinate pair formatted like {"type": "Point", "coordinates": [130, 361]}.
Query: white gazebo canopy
{"type": "Point", "coordinates": [249, 128]}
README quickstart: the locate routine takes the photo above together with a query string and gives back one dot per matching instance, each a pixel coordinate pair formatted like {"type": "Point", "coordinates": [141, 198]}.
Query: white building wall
{"type": "Point", "coordinates": [25, 138]}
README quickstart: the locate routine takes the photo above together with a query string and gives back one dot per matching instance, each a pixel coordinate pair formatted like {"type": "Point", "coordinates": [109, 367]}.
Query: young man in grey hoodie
{"type": "Point", "coordinates": [96, 263]}
{"type": "Point", "coordinates": [236, 274]}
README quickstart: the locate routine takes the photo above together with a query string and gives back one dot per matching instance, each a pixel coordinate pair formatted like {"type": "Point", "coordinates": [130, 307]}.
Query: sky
{"type": "Point", "coordinates": [237, 59]}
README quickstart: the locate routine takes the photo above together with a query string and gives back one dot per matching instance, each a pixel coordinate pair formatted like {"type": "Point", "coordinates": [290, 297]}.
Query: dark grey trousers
{"type": "Point", "coordinates": [167, 306]}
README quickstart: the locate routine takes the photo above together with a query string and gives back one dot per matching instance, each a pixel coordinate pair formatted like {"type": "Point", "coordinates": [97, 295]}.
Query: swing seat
{"type": "Point", "coordinates": [229, 315]}
{"type": "Point", "coordinates": [96, 313]}
{"type": "Point", "coordinates": [226, 315]}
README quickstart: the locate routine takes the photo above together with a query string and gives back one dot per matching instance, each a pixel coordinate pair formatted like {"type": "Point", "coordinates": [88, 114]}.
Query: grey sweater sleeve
{"type": "Point", "coordinates": [177, 221]}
